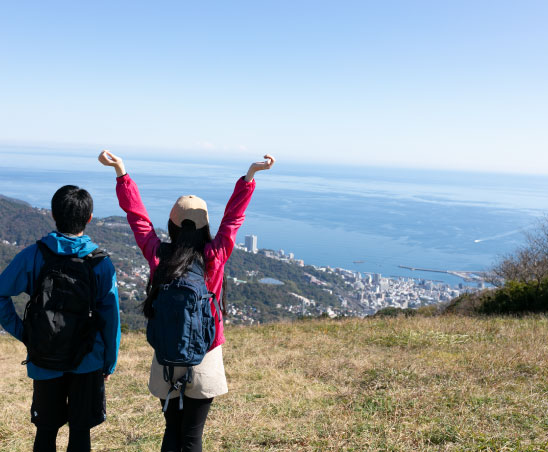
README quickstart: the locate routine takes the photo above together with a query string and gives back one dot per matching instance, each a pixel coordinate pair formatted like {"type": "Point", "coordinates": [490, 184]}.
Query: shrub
{"type": "Point", "coordinates": [513, 298]}
{"type": "Point", "coordinates": [517, 298]}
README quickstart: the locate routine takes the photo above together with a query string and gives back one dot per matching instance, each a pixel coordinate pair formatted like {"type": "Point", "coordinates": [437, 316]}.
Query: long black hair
{"type": "Point", "coordinates": [186, 247]}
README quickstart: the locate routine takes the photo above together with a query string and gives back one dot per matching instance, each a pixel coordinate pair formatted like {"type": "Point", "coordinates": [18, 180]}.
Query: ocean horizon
{"type": "Point", "coordinates": [366, 219]}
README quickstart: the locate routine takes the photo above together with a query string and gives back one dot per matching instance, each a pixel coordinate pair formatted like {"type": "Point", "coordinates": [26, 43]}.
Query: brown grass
{"type": "Point", "coordinates": [403, 384]}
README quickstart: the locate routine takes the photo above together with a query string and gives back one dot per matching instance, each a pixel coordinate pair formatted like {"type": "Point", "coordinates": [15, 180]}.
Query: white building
{"type": "Point", "coordinates": [251, 243]}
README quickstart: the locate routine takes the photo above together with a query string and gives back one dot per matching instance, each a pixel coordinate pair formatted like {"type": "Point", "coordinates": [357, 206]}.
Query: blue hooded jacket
{"type": "Point", "coordinates": [20, 276]}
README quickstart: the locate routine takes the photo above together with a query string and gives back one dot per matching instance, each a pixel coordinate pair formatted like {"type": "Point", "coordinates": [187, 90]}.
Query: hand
{"type": "Point", "coordinates": [260, 166]}
{"type": "Point", "coordinates": [108, 159]}
{"type": "Point", "coordinates": [106, 377]}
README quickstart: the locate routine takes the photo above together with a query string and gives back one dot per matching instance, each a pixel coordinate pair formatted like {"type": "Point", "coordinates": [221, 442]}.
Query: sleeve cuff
{"type": "Point", "coordinates": [243, 181]}
{"type": "Point", "coordinates": [122, 178]}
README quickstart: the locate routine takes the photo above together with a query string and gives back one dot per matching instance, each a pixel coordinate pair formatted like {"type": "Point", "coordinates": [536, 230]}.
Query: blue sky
{"type": "Point", "coordinates": [452, 84]}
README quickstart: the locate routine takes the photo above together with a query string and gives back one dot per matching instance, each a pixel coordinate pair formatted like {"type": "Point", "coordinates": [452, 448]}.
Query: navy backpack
{"type": "Point", "coordinates": [182, 327]}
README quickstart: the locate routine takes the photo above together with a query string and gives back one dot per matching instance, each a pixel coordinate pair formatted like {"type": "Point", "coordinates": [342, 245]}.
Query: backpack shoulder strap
{"type": "Point", "coordinates": [95, 257]}
{"type": "Point", "coordinates": [92, 258]}
{"type": "Point", "coordinates": [210, 295]}
{"type": "Point", "coordinates": [47, 254]}
{"type": "Point", "coordinates": [50, 258]}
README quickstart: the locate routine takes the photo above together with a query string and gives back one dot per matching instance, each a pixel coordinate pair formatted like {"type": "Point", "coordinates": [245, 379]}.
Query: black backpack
{"type": "Point", "coordinates": [61, 322]}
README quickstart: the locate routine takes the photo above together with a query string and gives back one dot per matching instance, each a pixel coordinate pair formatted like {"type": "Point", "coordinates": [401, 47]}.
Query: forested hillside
{"type": "Point", "coordinates": [249, 300]}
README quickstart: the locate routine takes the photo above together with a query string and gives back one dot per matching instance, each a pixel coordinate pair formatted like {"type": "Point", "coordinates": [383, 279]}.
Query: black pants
{"type": "Point", "coordinates": [45, 441]}
{"type": "Point", "coordinates": [78, 399]}
{"type": "Point", "coordinates": [184, 428]}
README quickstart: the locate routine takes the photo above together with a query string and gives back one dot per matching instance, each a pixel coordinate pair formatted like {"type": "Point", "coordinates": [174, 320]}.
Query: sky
{"type": "Point", "coordinates": [424, 84]}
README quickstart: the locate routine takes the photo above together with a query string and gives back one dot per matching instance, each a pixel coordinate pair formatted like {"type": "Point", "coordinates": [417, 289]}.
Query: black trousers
{"type": "Point", "coordinates": [46, 438]}
{"type": "Point", "coordinates": [184, 428]}
{"type": "Point", "coordinates": [78, 399]}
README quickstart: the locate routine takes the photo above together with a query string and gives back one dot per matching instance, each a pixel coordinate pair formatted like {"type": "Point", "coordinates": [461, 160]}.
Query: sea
{"type": "Point", "coordinates": [366, 219]}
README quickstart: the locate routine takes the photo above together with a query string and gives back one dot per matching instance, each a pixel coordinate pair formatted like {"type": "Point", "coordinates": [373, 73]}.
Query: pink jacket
{"type": "Point", "coordinates": [217, 252]}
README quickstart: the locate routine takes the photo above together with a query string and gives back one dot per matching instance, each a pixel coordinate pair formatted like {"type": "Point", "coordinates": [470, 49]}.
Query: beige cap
{"type": "Point", "coordinates": [190, 208]}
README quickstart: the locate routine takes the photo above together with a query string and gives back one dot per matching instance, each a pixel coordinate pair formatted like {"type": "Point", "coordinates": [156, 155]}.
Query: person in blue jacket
{"type": "Point", "coordinates": [76, 396]}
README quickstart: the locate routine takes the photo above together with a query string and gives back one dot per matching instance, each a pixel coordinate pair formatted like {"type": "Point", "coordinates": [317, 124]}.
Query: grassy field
{"type": "Point", "coordinates": [404, 384]}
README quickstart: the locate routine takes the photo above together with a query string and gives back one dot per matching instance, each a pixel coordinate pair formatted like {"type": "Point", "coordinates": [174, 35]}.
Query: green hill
{"type": "Point", "coordinates": [252, 301]}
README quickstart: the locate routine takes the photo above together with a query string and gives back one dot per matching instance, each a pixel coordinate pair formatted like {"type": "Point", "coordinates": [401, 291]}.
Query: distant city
{"type": "Point", "coordinates": [369, 292]}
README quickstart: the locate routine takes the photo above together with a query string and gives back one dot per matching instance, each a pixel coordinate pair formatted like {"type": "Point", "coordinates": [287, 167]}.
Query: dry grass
{"type": "Point", "coordinates": [404, 384]}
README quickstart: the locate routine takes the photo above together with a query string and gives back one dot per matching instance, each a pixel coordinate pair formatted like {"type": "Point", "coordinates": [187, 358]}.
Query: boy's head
{"type": "Point", "coordinates": [71, 208]}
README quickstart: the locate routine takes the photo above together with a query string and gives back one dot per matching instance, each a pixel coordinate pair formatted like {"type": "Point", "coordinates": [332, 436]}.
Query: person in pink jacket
{"type": "Point", "coordinates": [191, 242]}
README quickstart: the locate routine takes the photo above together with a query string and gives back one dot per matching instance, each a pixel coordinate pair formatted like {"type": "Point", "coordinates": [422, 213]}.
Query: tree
{"type": "Point", "coordinates": [529, 263]}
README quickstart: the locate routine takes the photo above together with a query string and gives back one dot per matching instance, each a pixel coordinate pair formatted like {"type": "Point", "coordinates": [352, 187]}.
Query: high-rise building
{"type": "Point", "coordinates": [384, 284]}
{"type": "Point", "coordinates": [251, 243]}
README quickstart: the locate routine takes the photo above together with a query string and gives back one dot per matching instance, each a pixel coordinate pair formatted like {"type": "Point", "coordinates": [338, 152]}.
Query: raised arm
{"type": "Point", "coordinates": [234, 215]}
{"type": "Point", "coordinates": [130, 201]}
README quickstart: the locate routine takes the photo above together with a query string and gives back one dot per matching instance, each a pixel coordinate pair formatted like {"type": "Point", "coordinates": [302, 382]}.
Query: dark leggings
{"type": "Point", "coordinates": [79, 440]}
{"type": "Point", "coordinates": [184, 428]}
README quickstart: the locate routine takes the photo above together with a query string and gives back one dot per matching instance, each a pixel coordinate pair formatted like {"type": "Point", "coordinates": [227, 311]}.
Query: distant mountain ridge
{"type": "Point", "coordinates": [21, 223]}
{"type": "Point", "coordinates": [13, 200]}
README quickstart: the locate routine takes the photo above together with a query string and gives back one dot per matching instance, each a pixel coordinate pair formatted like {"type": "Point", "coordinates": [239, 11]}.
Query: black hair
{"type": "Point", "coordinates": [186, 247]}
{"type": "Point", "coordinates": [71, 207]}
